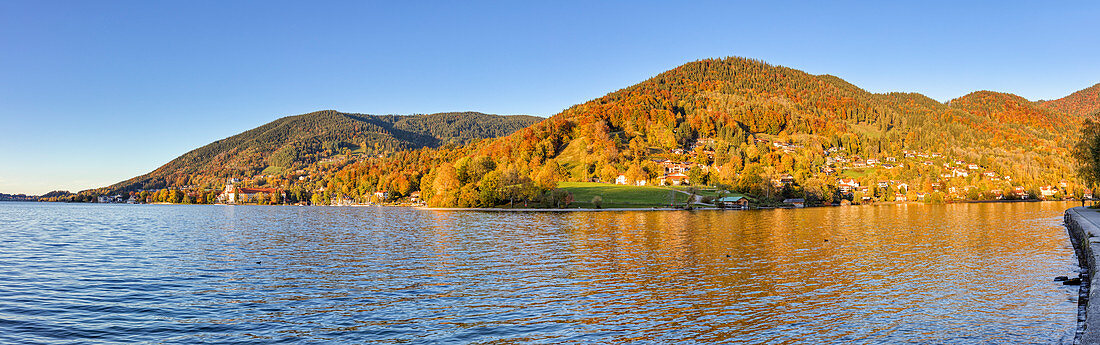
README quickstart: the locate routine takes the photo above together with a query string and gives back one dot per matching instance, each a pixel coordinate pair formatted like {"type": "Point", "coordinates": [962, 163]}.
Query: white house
{"type": "Point", "coordinates": [846, 185]}
{"type": "Point", "coordinates": [1048, 191]}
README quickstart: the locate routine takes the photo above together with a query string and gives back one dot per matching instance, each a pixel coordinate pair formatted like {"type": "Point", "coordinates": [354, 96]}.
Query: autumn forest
{"type": "Point", "coordinates": [708, 129]}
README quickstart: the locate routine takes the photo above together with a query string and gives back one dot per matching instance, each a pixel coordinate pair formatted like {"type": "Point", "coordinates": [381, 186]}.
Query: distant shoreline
{"type": "Point", "coordinates": [616, 209]}
{"type": "Point", "coordinates": [881, 203]}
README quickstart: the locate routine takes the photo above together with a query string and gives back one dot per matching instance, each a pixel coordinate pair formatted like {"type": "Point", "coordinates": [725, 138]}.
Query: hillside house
{"type": "Point", "coordinates": [620, 180]}
{"type": "Point", "coordinates": [382, 195]}
{"type": "Point", "coordinates": [342, 200]}
{"type": "Point", "coordinates": [787, 148]}
{"type": "Point", "coordinates": [902, 187]}
{"type": "Point", "coordinates": [783, 180]}
{"type": "Point", "coordinates": [847, 185]}
{"type": "Point", "coordinates": [1020, 192]}
{"type": "Point", "coordinates": [671, 167]}
{"type": "Point", "coordinates": [1048, 191]}
{"type": "Point", "coordinates": [673, 179]}
{"type": "Point", "coordinates": [973, 167]}
{"type": "Point", "coordinates": [900, 197]}
{"type": "Point", "coordinates": [106, 199]}
{"type": "Point", "coordinates": [997, 194]}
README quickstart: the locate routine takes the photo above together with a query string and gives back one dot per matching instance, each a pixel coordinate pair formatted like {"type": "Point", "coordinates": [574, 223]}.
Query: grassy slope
{"type": "Point", "coordinates": [616, 196]}
{"type": "Point", "coordinates": [704, 191]}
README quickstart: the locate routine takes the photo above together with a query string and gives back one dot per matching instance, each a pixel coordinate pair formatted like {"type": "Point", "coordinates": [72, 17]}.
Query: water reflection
{"type": "Point", "coordinates": [969, 273]}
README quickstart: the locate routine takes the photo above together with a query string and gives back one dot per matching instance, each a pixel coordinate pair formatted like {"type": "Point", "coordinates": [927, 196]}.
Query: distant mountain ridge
{"type": "Point", "coordinates": [743, 122]}
{"type": "Point", "coordinates": [17, 197]}
{"type": "Point", "coordinates": [304, 140]}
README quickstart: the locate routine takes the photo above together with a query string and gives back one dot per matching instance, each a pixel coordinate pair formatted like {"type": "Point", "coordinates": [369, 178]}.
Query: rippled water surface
{"type": "Point", "coordinates": [966, 273]}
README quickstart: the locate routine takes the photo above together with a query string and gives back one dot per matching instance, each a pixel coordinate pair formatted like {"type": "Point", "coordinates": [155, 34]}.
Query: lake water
{"type": "Point", "coordinates": [964, 273]}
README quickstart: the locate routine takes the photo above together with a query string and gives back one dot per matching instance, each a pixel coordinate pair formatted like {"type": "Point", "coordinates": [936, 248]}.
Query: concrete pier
{"type": "Point", "coordinates": [1083, 225]}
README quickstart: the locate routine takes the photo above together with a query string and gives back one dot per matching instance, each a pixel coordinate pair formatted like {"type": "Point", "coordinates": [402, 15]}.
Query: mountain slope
{"type": "Point", "coordinates": [1007, 108]}
{"type": "Point", "coordinates": [1081, 103]}
{"type": "Point", "coordinates": [748, 121]}
{"type": "Point", "coordinates": [304, 140]}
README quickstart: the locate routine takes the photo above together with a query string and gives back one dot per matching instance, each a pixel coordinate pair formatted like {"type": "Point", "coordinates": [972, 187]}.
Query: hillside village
{"type": "Point", "coordinates": [907, 176]}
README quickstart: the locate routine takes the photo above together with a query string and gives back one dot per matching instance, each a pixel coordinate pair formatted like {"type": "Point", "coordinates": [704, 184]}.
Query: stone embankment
{"type": "Point", "coordinates": [1083, 225]}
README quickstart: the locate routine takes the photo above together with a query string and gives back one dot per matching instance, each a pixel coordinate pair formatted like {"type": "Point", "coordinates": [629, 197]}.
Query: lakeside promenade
{"type": "Point", "coordinates": [1083, 225]}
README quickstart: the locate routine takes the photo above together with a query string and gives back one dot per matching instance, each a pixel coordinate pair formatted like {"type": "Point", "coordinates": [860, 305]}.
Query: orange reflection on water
{"type": "Point", "coordinates": [963, 273]}
{"type": "Point", "coordinates": [913, 272]}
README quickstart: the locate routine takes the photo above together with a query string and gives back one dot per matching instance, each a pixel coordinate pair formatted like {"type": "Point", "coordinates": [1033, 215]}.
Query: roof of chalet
{"type": "Point", "coordinates": [731, 199]}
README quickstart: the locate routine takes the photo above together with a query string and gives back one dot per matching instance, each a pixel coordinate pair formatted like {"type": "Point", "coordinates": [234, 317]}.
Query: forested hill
{"type": "Point", "coordinates": [742, 123]}
{"type": "Point", "coordinates": [460, 128]}
{"type": "Point", "coordinates": [1080, 103]}
{"type": "Point", "coordinates": [303, 141]}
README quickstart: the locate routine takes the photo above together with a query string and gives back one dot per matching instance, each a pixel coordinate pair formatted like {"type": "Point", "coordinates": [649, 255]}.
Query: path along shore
{"type": "Point", "coordinates": [1083, 225]}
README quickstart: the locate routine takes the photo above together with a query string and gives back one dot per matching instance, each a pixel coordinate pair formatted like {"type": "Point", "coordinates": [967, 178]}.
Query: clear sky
{"type": "Point", "coordinates": [94, 92]}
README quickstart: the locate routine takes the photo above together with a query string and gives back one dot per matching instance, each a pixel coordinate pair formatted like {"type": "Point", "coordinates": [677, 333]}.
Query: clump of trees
{"type": "Point", "coordinates": [1087, 153]}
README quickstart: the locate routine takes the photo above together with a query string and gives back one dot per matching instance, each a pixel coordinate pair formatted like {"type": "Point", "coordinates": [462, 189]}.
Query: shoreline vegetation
{"type": "Point", "coordinates": [885, 203]}
{"type": "Point", "coordinates": [618, 209]}
{"type": "Point", "coordinates": [588, 196]}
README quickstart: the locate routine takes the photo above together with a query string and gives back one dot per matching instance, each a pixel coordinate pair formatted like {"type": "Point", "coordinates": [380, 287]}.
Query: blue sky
{"type": "Point", "coordinates": [94, 92]}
